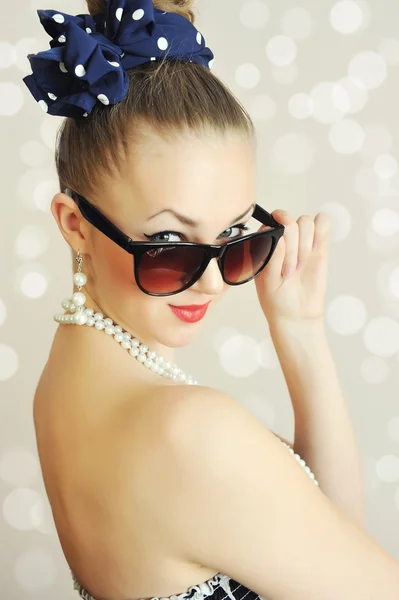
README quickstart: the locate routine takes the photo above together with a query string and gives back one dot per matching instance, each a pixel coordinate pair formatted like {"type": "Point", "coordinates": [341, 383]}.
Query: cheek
{"type": "Point", "coordinates": [115, 267]}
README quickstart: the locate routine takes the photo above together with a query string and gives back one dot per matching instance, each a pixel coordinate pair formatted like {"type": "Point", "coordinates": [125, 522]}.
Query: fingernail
{"type": "Point", "coordinates": [288, 272]}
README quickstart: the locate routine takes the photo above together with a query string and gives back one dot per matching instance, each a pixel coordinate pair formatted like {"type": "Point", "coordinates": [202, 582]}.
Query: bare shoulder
{"type": "Point", "coordinates": [239, 503]}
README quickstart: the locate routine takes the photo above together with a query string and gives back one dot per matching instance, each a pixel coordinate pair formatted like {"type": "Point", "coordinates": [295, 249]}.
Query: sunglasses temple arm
{"type": "Point", "coordinates": [262, 215]}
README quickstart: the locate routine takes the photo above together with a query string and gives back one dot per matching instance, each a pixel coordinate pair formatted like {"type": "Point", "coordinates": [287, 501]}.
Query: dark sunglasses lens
{"type": "Point", "coordinates": [244, 259]}
{"type": "Point", "coordinates": [169, 269]}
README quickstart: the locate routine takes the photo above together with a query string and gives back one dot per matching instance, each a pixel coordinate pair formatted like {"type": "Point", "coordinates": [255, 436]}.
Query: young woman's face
{"type": "Point", "coordinates": [210, 180]}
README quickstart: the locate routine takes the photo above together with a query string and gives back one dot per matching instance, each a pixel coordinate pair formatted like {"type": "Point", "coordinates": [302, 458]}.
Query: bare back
{"type": "Point", "coordinates": [96, 432]}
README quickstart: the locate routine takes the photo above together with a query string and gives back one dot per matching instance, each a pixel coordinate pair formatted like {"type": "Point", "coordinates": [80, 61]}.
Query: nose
{"type": "Point", "coordinates": [211, 281]}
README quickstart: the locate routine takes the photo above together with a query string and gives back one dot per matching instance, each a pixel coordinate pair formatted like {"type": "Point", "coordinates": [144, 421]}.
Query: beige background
{"type": "Point", "coordinates": [321, 81]}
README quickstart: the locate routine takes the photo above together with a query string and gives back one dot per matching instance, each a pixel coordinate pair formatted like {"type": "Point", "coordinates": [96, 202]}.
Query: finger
{"type": "Point", "coordinates": [306, 227]}
{"type": "Point", "coordinates": [322, 231]}
{"type": "Point", "coordinates": [291, 238]}
{"type": "Point", "coordinates": [275, 265]}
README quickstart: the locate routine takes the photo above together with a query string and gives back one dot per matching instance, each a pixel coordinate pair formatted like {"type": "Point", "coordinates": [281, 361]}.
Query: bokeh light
{"type": "Point", "coordinates": [293, 153]}
{"type": "Point", "coordinates": [281, 50]}
{"type": "Point", "coordinates": [254, 14]}
{"type": "Point", "coordinates": [346, 315]}
{"type": "Point", "coordinates": [247, 76]}
{"type": "Point", "coordinates": [381, 336]}
{"type": "Point", "coordinates": [297, 23]}
{"type": "Point", "coordinates": [369, 67]}
{"type": "Point", "coordinates": [346, 17]}
{"type": "Point", "coordinates": [239, 355]}
{"type": "Point", "coordinates": [8, 362]}
{"type": "Point", "coordinates": [11, 98]}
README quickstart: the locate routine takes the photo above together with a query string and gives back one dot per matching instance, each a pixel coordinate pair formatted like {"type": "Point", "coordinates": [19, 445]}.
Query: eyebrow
{"type": "Point", "coordinates": [190, 222]}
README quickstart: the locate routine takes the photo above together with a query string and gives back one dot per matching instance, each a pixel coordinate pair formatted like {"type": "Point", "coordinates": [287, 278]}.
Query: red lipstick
{"type": "Point", "coordinates": [192, 313]}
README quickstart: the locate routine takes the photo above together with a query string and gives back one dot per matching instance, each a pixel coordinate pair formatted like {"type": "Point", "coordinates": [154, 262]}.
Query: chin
{"type": "Point", "coordinates": [181, 335]}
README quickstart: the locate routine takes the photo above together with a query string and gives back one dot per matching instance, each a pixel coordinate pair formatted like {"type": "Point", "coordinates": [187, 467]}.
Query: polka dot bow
{"type": "Point", "coordinates": [89, 56]}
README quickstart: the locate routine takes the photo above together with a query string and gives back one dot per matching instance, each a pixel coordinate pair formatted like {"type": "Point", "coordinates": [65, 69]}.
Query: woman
{"type": "Point", "coordinates": [159, 486]}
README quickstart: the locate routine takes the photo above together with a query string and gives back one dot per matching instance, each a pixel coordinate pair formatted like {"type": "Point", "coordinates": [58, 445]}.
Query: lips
{"type": "Point", "coordinates": [190, 314]}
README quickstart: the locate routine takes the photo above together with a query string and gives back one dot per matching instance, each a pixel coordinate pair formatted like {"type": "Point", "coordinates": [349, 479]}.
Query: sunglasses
{"type": "Point", "coordinates": [168, 268]}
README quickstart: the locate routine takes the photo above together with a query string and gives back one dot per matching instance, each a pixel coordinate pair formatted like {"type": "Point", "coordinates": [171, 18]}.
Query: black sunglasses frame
{"type": "Point", "coordinates": [138, 249]}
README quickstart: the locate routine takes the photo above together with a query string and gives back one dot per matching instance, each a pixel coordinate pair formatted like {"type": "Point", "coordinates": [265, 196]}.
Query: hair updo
{"type": "Point", "coordinates": [166, 96]}
{"type": "Point", "coordinates": [182, 7]}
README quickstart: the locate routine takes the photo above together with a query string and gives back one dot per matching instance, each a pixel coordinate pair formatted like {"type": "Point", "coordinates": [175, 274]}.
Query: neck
{"type": "Point", "coordinates": [164, 351]}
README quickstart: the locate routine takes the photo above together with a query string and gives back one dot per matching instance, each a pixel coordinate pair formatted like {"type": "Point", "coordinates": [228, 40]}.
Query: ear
{"type": "Point", "coordinates": [73, 226]}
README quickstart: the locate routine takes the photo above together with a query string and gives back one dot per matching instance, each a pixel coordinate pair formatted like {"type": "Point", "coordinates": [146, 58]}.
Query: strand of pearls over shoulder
{"type": "Point", "coordinates": [78, 314]}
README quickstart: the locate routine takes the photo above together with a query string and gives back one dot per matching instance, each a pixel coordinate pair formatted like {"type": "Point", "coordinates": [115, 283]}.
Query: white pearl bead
{"type": "Point", "coordinates": [148, 363]}
{"type": "Point", "coordinates": [118, 337]}
{"type": "Point", "coordinates": [133, 352]}
{"type": "Point", "coordinates": [90, 321]}
{"type": "Point", "coordinates": [65, 304]}
{"type": "Point", "coordinates": [182, 377]}
{"type": "Point", "coordinates": [161, 370]}
{"type": "Point", "coordinates": [118, 329]}
{"type": "Point", "coordinates": [108, 322]}
{"type": "Point", "coordinates": [79, 279]}
{"type": "Point", "coordinates": [80, 318]}
{"type": "Point", "coordinates": [151, 354]}
{"type": "Point", "coordinates": [89, 312]}
{"type": "Point", "coordinates": [78, 298]}
{"type": "Point", "coordinates": [98, 316]}
{"type": "Point", "coordinates": [109, 330]}
{"type": "Point", "coordinates": [141, 358]}
{"type": "Point", "coordinates": [135, 342]}
{"type": "Point", "coordinates": [125, 344]}
{"type": "Point", "coordinates": [143, 348]}
{"type": "Point", "coordinates": [159, 360]}
{"type": "Point", "coordinates": [99, 325]}
{"type": "Point", "coordinates": [72, 307]}
{"type": "Point", "coordinates": [127, 336]}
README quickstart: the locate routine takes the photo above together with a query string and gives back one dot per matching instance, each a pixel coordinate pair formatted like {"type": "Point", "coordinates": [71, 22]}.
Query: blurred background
{"type": "Point", "coordinates": [320, 79]}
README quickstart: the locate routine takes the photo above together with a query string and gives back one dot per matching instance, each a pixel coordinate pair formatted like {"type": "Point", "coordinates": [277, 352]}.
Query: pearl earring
{"type": "Point", "coordinates": [78, 298]}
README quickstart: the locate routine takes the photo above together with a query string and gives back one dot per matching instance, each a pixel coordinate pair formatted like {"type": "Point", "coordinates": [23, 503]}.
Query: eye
{"type": "Point", "coordinates": [241, 227]}
{"type": "Point", "coordinates": [163, 236]}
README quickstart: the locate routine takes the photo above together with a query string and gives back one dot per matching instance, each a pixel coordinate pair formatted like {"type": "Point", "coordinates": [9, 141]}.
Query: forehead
{"type": "Point", "coordinates": [191, 173]}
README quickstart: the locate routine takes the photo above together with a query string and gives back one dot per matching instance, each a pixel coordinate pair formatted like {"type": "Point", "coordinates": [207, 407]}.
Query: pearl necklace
{"type": "Point", "coordinates": [79, 314]}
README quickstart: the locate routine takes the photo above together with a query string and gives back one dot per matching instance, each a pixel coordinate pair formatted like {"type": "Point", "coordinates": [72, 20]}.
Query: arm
{"type": "Point", "coordinates": [235, 500]}
{"type": "Point", "coordinates": [324, 436]}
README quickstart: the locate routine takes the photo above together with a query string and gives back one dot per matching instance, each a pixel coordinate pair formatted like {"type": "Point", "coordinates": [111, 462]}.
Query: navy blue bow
{"type": "Point", "coordinates": [89, 56]}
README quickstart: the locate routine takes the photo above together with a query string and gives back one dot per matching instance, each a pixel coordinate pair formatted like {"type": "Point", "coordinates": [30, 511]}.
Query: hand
{"type": "Point", "coordinates": [300, 295]}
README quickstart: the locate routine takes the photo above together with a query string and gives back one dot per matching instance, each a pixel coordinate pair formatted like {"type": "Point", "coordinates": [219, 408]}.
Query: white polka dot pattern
{"type": "Point", "coordinates": [138, 33]}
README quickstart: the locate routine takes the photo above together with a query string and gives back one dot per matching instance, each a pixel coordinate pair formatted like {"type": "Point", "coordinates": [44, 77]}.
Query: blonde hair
{"type": "Point", "coordinates": [168, 97]}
